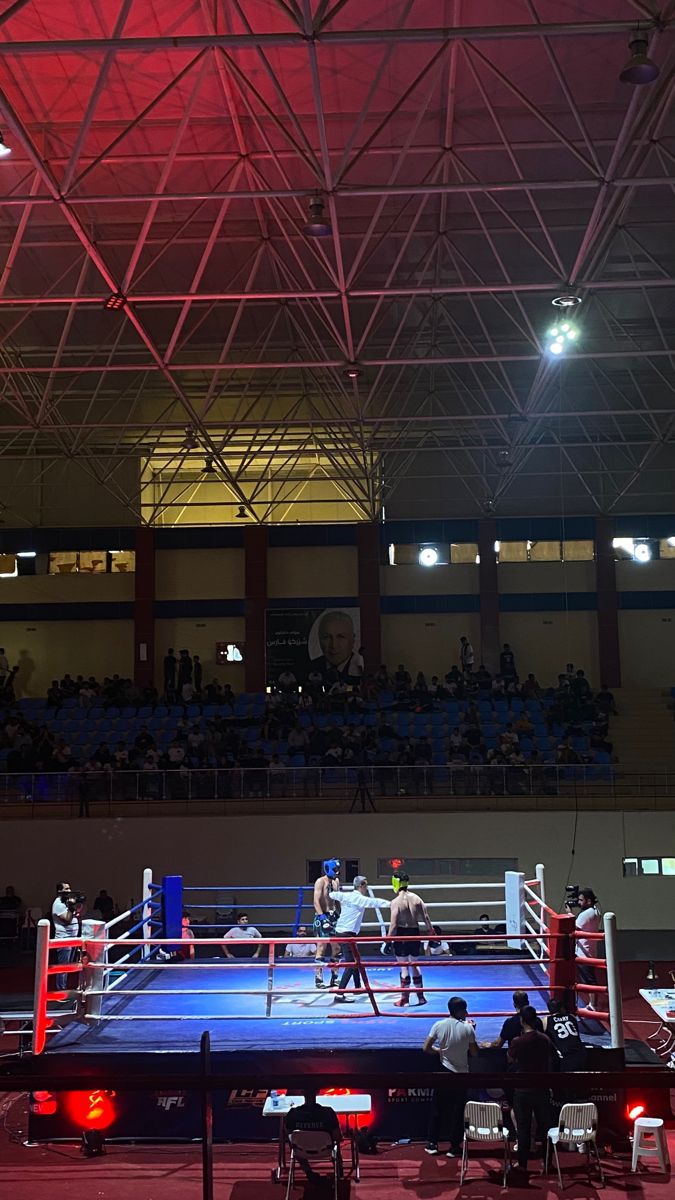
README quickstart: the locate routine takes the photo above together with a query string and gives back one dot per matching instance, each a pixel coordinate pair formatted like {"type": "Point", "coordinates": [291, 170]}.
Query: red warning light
{"type": "Point", "coordinates": [635, 1110]}
{"type": "Point", "coordinates": [92, 1110]}
{"type": "Point", "coordinates": [396, 863]}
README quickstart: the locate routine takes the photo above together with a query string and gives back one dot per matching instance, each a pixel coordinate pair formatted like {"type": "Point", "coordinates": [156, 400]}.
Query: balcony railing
{"type": "Point", "coordinates": [99, 792]}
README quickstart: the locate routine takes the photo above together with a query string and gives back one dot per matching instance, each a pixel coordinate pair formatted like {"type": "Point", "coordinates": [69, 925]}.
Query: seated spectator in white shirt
{"type": "Point", "coordinates": [239, 932]}
{"type": "Point", "coordinates": [301, 949]}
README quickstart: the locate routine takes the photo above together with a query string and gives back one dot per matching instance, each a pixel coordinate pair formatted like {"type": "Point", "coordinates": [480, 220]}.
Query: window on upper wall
{"type": "Point", "coordinates": [91, 562]}
{"type": "Point", "coordinates": [545, 551]}
{"type": "Point", "coordinates": [649, 865]}
{"type": "Point", "coordinates": [578, 550]}
{"type": "Point", "coordinates": [464, 553]}
{"type": "Point", "coordinates": [667, 547]}
{"type": "Point", "coordinates": [422, 554]}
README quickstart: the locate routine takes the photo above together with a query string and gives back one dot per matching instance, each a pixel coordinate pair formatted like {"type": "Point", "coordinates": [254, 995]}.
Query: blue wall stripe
{"type": "Point", "coordinates": [548, 602]}
{"type": "Point", "coordinates": [429, 604]}
{"type": "Point", "coordinates": [514, 529]}
{"type": "Point", "coordinates": [207, 537]}
{"type": "Point", "coordinates": [407, 532]}
{"type": "Point", "coordinates": [643, 600]}
{"type": "Point", "coordinates": [199, 608]}
{"type": "Point", "coordinates": [311, 535]}
{"type": "Point", "coordinates": [122, 610]}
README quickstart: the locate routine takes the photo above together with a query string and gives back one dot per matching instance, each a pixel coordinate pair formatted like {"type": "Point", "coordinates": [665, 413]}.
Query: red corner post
{"type": "Point", "coordinates": [255, 577]}
{"type": "Point", "coordinates": [144, 607]}
{"type": "Point", "coordinates": [562, 966]}
{"type": "Point", "coordinates": [368, 550]}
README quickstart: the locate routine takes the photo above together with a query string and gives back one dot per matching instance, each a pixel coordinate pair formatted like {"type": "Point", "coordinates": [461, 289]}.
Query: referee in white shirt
{"type": "Point", "coordinates": [352, 910]}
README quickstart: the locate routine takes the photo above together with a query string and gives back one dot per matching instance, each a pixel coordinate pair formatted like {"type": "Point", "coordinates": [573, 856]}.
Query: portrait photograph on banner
{"type": "Point", "coordinates": [304, 640]}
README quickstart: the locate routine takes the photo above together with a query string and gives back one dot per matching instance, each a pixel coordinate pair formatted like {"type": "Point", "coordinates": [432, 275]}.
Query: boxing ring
{"type": "Point", "coordinates": [125, 999]}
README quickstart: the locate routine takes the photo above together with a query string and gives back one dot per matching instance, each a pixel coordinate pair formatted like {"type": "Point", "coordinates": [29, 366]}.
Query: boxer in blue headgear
{"type": "Point", "coordinates": [326, 912]}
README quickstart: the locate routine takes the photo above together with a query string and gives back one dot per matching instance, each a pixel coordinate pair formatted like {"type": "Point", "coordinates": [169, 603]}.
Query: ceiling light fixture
{"type": "Point", "coordinates": [568, 300]}
{"type": "Point", "coordinates": [640, 68]}
{"type": "Point", "coordinates": [642, 552]}
{"type": "Point", "coordinates": [115, 301]}
{"type": "Point", "coordinates": [209, 468]}
{"type": "Point", "coordinates": [242, 513]}
{"type": "Point", "coordinates": [503, 458]}
{"type": "Point", "coordinates": [561, 336]}
{"type": "Point", "coordinates": [352, 371]}
{"type": "Point", "coordinates": [317, 226]}
{"type": "Point", "coordinates": [5, 150]}
{"type": "Point", "coordinates": [428, 556]}
{"type": "Point", "coordinates": [190, 442]}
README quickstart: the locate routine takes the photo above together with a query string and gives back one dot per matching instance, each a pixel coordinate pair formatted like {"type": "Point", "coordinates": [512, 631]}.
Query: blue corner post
{"type": "Point", "coordinates": [172, 896]}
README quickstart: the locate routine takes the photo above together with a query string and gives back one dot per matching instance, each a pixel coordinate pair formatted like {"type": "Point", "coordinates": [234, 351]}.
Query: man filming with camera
{"type": "Point", "coordinates": [588, 920]}
{"type": "Point", "coordinates": [67, 921]}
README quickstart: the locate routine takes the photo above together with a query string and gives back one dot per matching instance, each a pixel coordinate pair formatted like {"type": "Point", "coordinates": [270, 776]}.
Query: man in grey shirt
{"type": "Point", "coordinates": [453, 1040]}
{"type": "Point", "coordinates": [66, 923]}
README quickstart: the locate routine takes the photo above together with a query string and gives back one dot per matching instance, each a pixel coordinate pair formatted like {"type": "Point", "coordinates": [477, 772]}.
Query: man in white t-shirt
{"type": "Point", "coordinates": [453, 1040]}
{"type": "Point", "coordinates": [588, 920]}
{"type": "Point", "coordinates": [66, 921]}
{"type": "Point", "coordinates": [301, 949]}
{"type": "Point", "coordinates": [241, 932]}
{"type": "Point", "coordinates": [352, 911]}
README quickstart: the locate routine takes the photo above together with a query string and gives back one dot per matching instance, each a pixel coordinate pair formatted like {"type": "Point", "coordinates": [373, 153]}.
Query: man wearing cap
{"type": "Point", "coordinates": [325, 916]}
{"type": "Point", "coordinates": [352, 910]}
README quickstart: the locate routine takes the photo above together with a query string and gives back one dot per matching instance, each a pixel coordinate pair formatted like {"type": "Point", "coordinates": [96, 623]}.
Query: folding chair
{"type": "Point", "coordinates": [310, 1144]}
{"type": "Point", "coordinates": [578, 1127]}
{"type": "Point", "coordinates": [484, 1123]}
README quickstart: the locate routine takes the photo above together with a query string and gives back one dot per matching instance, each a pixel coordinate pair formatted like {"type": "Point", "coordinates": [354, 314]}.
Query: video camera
{"type": "Point", "coordinates": [73, 899]}
{"type": "Point", "coordinates": [572, 895]}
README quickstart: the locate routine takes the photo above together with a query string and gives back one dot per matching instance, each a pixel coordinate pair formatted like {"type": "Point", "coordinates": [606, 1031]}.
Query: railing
{"type": "Point", "coordinates": [363, 787]}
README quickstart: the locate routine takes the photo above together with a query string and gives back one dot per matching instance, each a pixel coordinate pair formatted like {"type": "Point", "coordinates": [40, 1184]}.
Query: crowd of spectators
{"type": "Point", "coordinates": [392, 720]}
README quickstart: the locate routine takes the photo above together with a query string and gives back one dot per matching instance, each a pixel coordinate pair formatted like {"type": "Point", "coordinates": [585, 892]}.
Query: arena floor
{"type": "Point", "coordinates": [165, 1016]}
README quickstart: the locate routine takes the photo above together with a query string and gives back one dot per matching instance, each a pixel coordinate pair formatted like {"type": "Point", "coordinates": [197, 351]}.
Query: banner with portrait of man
{"type": "Point", "coordinates": [302, 640]}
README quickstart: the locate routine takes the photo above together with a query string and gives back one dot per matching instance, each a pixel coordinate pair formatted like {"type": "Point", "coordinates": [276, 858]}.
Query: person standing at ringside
{"type": "Point", "coordinates": [326, 911]}
{"type": "Point", "coordinates": [408, 911]}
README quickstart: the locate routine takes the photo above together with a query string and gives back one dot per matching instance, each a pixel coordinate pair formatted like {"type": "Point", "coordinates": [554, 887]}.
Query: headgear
{"type": "Point", "coordinates": [331, 867]}
{"type": "Point", "coordinates": [400, 879]}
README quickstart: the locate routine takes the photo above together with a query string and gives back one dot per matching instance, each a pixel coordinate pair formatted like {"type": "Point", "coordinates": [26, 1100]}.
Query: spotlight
{"type": "Point", "coordinates": [190, 442]}
{"type": "Point", "coordinates": [317, 226]}
{"type": "Point", "coordinates": [428, 556]}
{"type": "Point", "coordinates": [5, 150]}
{"type": "Point", "coordinates": [560, 335]}
{"type": "Point", "coordinates": [93, 1143]}
{"type": "Point", "coordinates": [242, 513]}
{"type": "Point", "coordinates": [635, 1110]}
{"type": "Point", "coordinates": [503, 458]}
{"type": "Point", "coordinates": [651, 976]}
{"type": "Point", "coordinates": [642, 552]}
{"type": "Point", "coordinates": [640, 68]}
{"type": "Point", "coordinates": [352, 371]}
{"type": "Point", "coordinates": [209, 468]}
{"type": "Point", "coordinates": [115, 301]}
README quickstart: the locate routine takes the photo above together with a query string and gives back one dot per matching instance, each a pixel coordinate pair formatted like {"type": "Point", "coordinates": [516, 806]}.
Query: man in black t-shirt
{"type": "Point", "coordinates": [562, 1029]}
{"type": "Point", "coordinates": [530, 1054]}
{"type": "Point", "coordinates": [512, 1027]}
{"type": "Point", "coordinates": [315, 1118]}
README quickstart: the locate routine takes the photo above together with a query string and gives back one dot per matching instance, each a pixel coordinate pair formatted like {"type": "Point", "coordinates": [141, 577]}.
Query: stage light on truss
{"type": "Point", "coordinates": [209, 468]}
{"type": "Point", "coordinates": [5, 150]}
{"type": "Point", "coordinates": [640, 68]}
{"type": "Point", "coordinates": [428, 556]}
{"type": "Point", "coordinates": [560, 336]}
{"type": "Point", "coordinates": [190, 441]}
{"type": "Point", "coordinates": [567, 300]}
{"type": "Point", "coordinates": [242, 514]}
{"type": "Point", "coordinates": [352, 371]}
{"type": "Point", "coordinates": [317, 226]}
{"type": "Point", "coordinates": [115, 301]}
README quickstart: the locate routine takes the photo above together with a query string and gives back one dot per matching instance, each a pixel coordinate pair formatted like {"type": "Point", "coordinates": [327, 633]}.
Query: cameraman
{"type": "Point", "coordinates": [588, 920]}
{"type": "Point", "coordinates": [67, 921]}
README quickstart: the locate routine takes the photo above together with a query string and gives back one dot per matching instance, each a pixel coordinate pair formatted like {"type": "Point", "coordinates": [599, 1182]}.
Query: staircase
{"type": "Point", "coordinates": [644, 731]}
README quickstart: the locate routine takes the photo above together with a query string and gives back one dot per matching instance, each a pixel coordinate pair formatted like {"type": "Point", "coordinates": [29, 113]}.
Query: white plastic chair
{"type": "Point", "coordinates": [313, 1144]}
{"type": "Point", "coordinates": [484, 1123]}
{"type": "Point", "coordinates": [577, 1126]}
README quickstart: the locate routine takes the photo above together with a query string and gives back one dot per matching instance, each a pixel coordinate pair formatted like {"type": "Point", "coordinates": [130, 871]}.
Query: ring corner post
{"type": "Point", "coordinates": [514, 896]}
{"type": "Point", "coordinates": [562, 961]}
{"type": "Point", "coordinates": [147, 907]}
{"type": "Point", "coordinates": [540, 875]}
{"type": "Point", "coordinates": [40, 987]}
{"type": "Point", "coordinates": [172, 907]}
{"type": "Point", "coordinates": [613, 983]}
